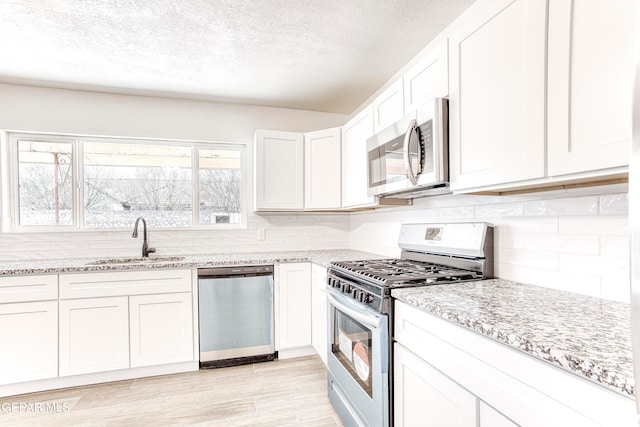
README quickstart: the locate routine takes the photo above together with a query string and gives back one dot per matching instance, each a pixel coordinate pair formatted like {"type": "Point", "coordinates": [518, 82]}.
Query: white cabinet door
{"type": "Point", "coordinates": [319, 310]}
{"type": "Point", "coordinates": [161, 328]}
{"type": "Point", "coordinates": [497, 94]}
{"type": "Point", "coordinates": [279, 176]}
{"type": "Point", "coordinates": [94, 335]}
{"type": "Point", "coordinates": [388, 107]}
{"type": "Point", "coordinates": [28, 288]}
{"type": "Point", "coordinates": [29, 349]}
{"type": "Point", "coordinates": [322, 169]}
{"type": "Point", "coordinates": [293, 305]}
{"type": "Point", "coordinates": [354, 160]}
{"type": "Point", "coordinates": [591, 58]}
{"type": "Point", "coordinates": [489, 417]}
{"type": "Point", "coordinates": [425, 396]}
{"type": "Point", "coordinates": [427, 79]}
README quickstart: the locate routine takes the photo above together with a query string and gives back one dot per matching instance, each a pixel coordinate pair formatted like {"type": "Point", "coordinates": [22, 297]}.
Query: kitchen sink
{"type": "Point", "coordinates": [112, 261]}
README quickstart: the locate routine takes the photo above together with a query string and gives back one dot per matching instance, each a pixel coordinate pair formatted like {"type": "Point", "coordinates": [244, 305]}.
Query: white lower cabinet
{"type": "Point", "coordinates": [293, 305]}
{"type": "Point", "coordinates": [161, 329]}
{"type": "Point", "coordinates": [446, 375]}
{"type": "Point", "coordinates": [112, 320]}
{"type": "Point", "coordinates": [94, 335]}
{"type": "Point", "coordinates": [424, 396]}
{"type": "Point", "coordinates": [29, 349]}
{"type": "Point", "coordinates": [319, 311]}
{"type": "Point", "coordinates": [489, 417]}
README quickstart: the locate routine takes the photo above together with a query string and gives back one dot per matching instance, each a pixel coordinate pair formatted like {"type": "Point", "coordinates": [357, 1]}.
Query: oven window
{"type": "Point", "coordinates": [351, 345]}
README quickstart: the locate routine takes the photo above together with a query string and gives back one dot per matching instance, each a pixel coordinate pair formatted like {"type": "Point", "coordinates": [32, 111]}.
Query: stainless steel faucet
{"type": "Point", "coordinates": [146, 250]}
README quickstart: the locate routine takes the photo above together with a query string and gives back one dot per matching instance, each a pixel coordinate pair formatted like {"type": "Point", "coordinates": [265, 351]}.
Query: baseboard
{"type": "Point", "coordinates": [96, 378]}
{"type": "Point", "coordinates": [290, 353]}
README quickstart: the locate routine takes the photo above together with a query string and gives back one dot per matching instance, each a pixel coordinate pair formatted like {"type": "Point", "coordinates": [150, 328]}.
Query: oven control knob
{"type": "Point", "coordinates": [366, 298]}
{"type": "Point", "coordinates": [357, 294]}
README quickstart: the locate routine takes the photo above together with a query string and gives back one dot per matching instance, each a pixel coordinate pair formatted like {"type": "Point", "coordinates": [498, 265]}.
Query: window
{"type": "Point", "coordinates": [107, 183]}
{"type": "Point", "coordinates": [45, 180]}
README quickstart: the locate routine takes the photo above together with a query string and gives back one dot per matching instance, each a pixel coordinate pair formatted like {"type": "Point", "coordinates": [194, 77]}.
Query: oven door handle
{"type": "Point", "coordinates": [367, 319]}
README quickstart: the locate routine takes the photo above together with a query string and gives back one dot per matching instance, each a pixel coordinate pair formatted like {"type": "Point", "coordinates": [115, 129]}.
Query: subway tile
{"type": "Point", "coordinates": [578, 244]}
{"type": "Point", "coordinates": [599, 225]}
{"type": "Point", "coordinates": [466, 212]}
{"type": "Point", "coordinates": [616, 246]}
{"type": "Point", "coordinates": [528, 258]}
{"type": "Point", "coordinates": [569, 206]}
{"type": "Point", "coordinates": [14, 237]}
{"type": "Point", "coordinates": [586, 284]}
{"type": "Point", "coordinates": [499, 210]}
{"type": "Point", "coordinates": [528, 224]}
{"type": "Point", "coordinates": [614, 204]}
{"type": "Point", "coordinates": [617, 287]}
{"type": "Point", "coordinates": [29, 246]}
{"type": "Point", "coordinates": [505, 239]}
{"type": "Point", "coordinates": [596, 265]}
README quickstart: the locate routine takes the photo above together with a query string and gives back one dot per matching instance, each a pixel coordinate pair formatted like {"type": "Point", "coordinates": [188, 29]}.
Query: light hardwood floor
{"type": "Point", "coordinates": [289, 392]}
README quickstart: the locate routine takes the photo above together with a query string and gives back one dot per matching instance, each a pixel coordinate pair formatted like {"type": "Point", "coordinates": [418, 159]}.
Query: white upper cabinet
{"type": "Point", "coordinates": [388, 107]}
{"type": "Point", "coordinates": [497, 94]}
{"type": "Point", "coordinates": [591, 53]}
{"type": "Point", "coordinates": [279, 177]}
{"type": "Point", "coordinates": [428, 78]}
{"type": "Point", "coordinates": [322, 169]}
{"type": "Point", "coordinates": [354, 160]}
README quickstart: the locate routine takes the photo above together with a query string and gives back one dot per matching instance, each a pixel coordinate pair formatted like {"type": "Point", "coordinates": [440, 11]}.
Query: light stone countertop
{"type": "Point", "coordinates": [54, 266]}
{"type": "Point", "coordinates": [587, 336]}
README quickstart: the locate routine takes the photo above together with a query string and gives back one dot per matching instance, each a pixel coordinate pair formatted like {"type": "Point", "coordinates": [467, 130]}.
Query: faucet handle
{"type": "Point", "coordinates": [151, 250]}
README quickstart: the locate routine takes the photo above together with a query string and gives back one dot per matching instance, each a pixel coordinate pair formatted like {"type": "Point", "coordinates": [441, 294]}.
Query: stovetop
{"type": "Point", "coordinates": [393, 272]}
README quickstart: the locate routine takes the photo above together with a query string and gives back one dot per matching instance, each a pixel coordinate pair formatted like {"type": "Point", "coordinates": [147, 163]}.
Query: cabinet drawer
{"type": "Point", "coordinates": [28, 288]}
{"type": "Point", "coordinates": [88, 285]}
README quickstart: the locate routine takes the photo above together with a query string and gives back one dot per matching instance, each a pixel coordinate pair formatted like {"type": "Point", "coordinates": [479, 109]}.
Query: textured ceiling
{"type": "Point", "coordinates": [324, 55]}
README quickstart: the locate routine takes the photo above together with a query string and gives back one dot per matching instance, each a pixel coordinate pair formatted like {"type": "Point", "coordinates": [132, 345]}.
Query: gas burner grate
{"type": "Point", "coordinates": [397, 272]}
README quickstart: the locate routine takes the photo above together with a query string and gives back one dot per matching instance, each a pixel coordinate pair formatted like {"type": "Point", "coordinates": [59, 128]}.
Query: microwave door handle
{"type": "Point", "coordinates": [413, 126]}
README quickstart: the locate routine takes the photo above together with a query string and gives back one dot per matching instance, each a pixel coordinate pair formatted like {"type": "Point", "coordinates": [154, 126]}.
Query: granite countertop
{"type": "Point", "coordinates": [587, 336]}
{"type": "Point", "coordinates": [53, 266]}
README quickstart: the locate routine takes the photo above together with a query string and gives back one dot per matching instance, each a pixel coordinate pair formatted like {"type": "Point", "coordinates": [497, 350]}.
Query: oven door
{"type": "Point", "coordinates": [358, 361]}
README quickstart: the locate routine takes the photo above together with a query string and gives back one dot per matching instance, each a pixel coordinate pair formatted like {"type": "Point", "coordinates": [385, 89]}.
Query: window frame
{"type": "Point", "coordinates": [10, 181]}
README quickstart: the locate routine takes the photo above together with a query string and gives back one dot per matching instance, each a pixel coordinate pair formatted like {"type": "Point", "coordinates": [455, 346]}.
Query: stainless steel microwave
{"type": "Point", "coordinates": [410, 158]}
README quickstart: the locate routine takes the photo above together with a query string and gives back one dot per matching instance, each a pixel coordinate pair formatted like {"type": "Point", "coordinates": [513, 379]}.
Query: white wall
{"type": "Point", "coordinates": [574, 240]}
{"type": "Point", "coordinates": [26, 108]}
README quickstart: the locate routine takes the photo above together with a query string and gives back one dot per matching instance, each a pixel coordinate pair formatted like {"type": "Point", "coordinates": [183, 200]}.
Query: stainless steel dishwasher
{"type": "Point", "coordinates": [236, 315]}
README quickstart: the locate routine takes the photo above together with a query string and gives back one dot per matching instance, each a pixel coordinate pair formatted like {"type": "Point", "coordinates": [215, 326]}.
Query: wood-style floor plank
{"type": "Point", "coordinates": [282, 393]}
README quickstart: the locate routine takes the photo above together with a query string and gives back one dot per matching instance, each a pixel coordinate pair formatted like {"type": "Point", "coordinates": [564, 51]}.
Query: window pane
{"type": "Point", "coordinates": [125, 181]}
{"type": "Point", "coordinates": [220, 195]}
{"type": "Point", "coordinates": [45, 183]}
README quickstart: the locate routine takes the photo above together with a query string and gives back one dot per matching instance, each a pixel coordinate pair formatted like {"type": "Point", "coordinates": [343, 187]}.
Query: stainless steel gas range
{"type": "Point", "coordinates": [360, 310]}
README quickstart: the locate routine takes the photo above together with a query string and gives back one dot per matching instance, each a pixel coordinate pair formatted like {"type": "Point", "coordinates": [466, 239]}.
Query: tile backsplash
{"type": "Point", "coordinates": [282, 232]}
{"type": "Point", "coordinates": [575, 240]}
